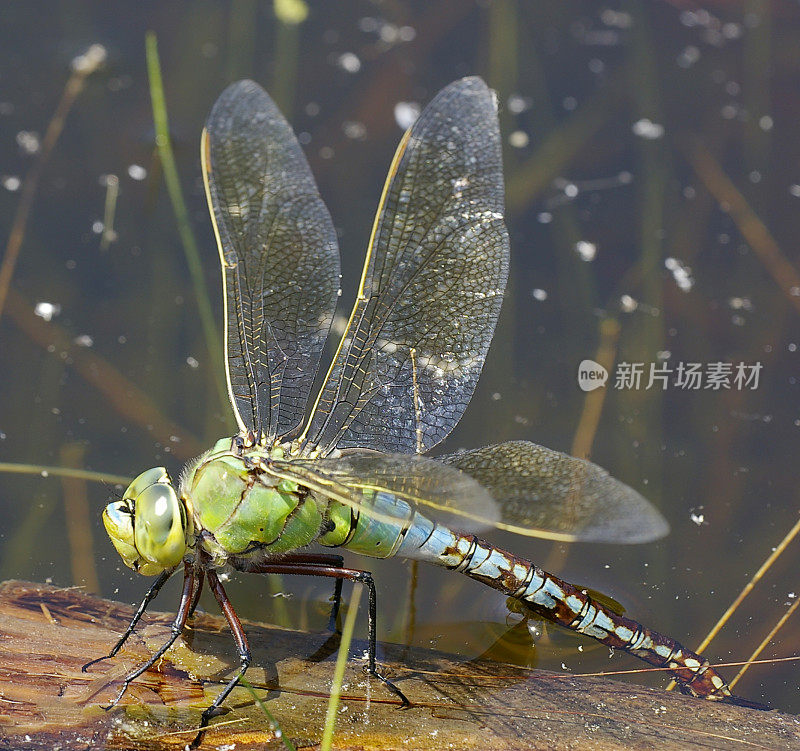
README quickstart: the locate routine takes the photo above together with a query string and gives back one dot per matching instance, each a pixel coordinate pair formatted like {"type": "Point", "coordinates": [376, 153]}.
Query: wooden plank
{"type": "Point", "coordinates": [47, 633]}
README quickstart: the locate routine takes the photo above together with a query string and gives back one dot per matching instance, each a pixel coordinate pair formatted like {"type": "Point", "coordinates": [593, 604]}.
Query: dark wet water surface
{"type": "Point", "coordinates": [653, 193]}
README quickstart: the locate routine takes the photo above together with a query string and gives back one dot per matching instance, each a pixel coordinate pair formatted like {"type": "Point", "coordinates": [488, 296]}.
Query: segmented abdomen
{"type": "Point", "coordinates": [565, 604]}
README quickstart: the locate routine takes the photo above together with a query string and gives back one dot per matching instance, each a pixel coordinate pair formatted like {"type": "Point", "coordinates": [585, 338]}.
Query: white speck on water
{"type": "Point", "coordinates": [596, 65]}
{"type": "Point", "coordinates": [545, 217]}
{"type": "Point", "coordinates": [83, 340]}
{"type": "Point", "coordinates": [740, 303]}
{"type": "Point", "coordinates": [794, 189]}
{"type": "Point", "coordinates": [90, 60]}
{"type": "Point", "coordinates": [98, 227]}
{"type": "Point", "coordinates": [628, 304]}
{"type": "Point", "coordinates": [732, 88]}
{"type": "Point", "coordinates": [192, 363]}
{"type": "Point", "coordinates": [519, 139]}
{"type": "Point", "coordinates": [571, 190]}
{"type": "Point", "coordinates": [569, 103]}
{"type": "Point", "coordinates": [47, 310]}
{"type": "Point", "coordinates": [647, 129]}
{"type": "Point", "coordinates": [354, 130]}
{"type": "Point", "coordinates": [729, 111]}
{"type": "Point", "coordinates": [406, 114]}
{"type": "Point", "coordinates": [539, 294]}
{"type": "Point", "coordinates": [407, 33]}
{"type": "Point", "coordinates": [765, 122]}
{"type": "Point", "coordinates": [137, 172]}
{"type": "Point", "coordinates": [688, 56]}
{"type": "Point", "coordinates": [518, 104]}
{"type": "Point", "coordinates": [28, 141]}
{"type": "Point", "coordinates": [681, 273]}
{"type": "Point", "coordinates": [586, 250]}
{"type": "Point", "coordinates": [731, 30]}
{"type": "Point", "coordinates": [535, 629]}
{"type": "Point", "coordinates": [754, 176]}
{"type": "Point", "coordinates": [697, 516]}
{"type": "Point", "coordinates": [11, 182]}
{"type": "Point", "coordinates": [349, 62]}
{"type": "Point", "coordinates": [616, 18]}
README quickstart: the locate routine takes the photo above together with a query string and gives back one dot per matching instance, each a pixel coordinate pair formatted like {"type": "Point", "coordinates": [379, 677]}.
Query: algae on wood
{"type": "Point", "coordinates": [47, 633]}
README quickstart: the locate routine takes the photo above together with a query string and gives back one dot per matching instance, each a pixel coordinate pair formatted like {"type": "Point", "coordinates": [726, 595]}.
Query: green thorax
{"type": "Point", "coordinates": [240, 510]}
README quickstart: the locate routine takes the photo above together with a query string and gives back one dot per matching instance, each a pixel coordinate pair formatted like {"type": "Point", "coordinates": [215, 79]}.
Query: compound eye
{"type": "Point", "coordinates": [159, 524]}
{"type": "Point", "coordinates": [118, 521]}
{"type": "Point", "coordinates": [150, 477]}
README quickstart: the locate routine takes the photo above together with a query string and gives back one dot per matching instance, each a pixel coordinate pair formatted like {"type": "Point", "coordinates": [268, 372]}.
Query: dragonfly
{"type": "Point", "coordinates": [351, 469]}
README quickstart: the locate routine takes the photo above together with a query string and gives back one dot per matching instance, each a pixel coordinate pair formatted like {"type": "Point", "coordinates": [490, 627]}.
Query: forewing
{"type": "Point", "coordinates": [436, 490]}
{"type": "Point", "coordinates": [431, 288]}
{"type": "Point", "coordinates": [279, 256]}
{"type": "Point", "coordinates": [544, 493]}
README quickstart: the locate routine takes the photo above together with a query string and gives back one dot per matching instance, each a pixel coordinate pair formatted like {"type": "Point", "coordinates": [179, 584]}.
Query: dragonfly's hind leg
{"type": "Point", "coordinates": [148, 598]}
{"type": "Point", "coordinates": [312, 566]}
{"type": "Point", "coordinates": [320, 559]}
{"type": "Point", "coordinates": [190, 581]}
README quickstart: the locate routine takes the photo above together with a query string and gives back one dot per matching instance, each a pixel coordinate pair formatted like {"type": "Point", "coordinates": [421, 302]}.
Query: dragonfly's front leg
{"type": "Point", "coordinates": [148, 598]}
{"type": "Point", "coordinates": [191, 583]}
{"type": "Point", "coordinates": [351, 574]}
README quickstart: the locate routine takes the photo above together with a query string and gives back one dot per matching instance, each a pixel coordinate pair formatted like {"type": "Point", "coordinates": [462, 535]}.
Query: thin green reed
{"type": "Point", "coordinates": [164, 145]}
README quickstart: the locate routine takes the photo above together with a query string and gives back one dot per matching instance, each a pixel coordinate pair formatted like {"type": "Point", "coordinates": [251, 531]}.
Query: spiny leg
{"type": "Point", "coordinates": [241, 644]}
{"type": "Point", "coordinates": [351, 574]}
{"type": "Point", "coordinates": [148, 598]}
{"type": "Point", "coordinates": [198, 592]}
{"type": "Point", "coordinates": [321, 559]}
{"type": "Point", "coordinates": [187, 597]}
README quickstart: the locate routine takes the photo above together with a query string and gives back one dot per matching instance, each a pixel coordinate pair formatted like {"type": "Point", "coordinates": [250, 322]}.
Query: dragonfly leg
{"type": "Point", "coordinates": [322, 559]}
{"type": "Point", "coordinates": [187, 597]}
{"type": "Point", "coordinates": [241, 644]}
{"type": "Point", "coordinates": [354, 575]}
{"type": "Point", "coordinates": [198, 592]}
{"type": "Point", "coordinates": [148, 598]}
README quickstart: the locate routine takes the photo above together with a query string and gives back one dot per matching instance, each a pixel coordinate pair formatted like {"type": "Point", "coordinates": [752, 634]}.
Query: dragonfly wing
{"type": "Point", "coordinates": [544, 493]}
{"type": "Point", "coordinates": [279, 258]}
{"type": "Point", "coordinates": [436, 490]}
{"type": "Point", "coordinates": [431, 288]}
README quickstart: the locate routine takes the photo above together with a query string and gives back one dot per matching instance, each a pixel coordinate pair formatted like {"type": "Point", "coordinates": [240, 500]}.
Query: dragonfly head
{"type": "Point", "coordinates": [149, 526]}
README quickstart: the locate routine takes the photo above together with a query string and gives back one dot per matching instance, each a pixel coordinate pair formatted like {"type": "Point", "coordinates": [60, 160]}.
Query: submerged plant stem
{"type": "Point", "coordinates": [74, 86]}
{"type": "Point", "coordinates": [173, 183]}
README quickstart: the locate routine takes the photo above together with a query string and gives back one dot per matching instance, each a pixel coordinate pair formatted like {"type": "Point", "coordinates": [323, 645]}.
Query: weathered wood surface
{"type": "Point", "coordinates": [46, 634]}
